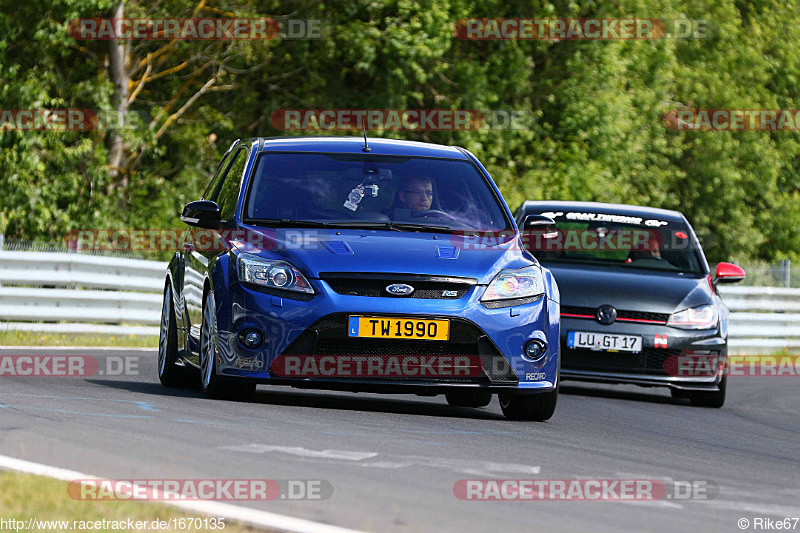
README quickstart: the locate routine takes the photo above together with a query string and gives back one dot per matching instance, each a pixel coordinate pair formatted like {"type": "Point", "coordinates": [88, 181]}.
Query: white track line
{"type": "Point", "coordinates": [242, 515]}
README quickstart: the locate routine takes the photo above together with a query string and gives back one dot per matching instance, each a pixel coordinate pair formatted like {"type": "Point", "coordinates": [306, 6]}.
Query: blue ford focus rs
{"type": "Point", "coordinates": [389, 267]}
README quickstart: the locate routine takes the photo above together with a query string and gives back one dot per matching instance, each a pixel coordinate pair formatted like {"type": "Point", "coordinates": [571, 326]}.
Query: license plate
{"type": "Point", "coordinates": [604, 341]}
{"type": "Point", "coordinates": [398, 328]}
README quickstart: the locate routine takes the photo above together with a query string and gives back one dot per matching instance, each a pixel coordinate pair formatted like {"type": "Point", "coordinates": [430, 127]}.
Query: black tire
{"type": "Point", "coordinates": [539, 407]}
{"type": "Point", "coordinates": [477, 398]}
{"type": "Point", "coordinates": [169, 373]}
{"type": "Point", "coordinates": [710, 399]}
{"type": "Point", "coordinates": [213, 385]}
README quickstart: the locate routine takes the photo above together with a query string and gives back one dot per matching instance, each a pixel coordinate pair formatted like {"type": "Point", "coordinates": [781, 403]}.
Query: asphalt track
{"type": "Point", "coordinates": [393, 460]}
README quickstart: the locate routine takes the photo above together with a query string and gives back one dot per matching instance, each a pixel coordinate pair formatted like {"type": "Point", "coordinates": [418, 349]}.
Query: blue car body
{"type": "Point", "coordinates": [329, 257]}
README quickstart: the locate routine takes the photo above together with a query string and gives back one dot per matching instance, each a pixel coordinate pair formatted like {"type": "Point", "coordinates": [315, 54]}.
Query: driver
{"type": "Point", "coordinates": [652, 251]}
{"type": "Point", "coordinates": [416, 193]}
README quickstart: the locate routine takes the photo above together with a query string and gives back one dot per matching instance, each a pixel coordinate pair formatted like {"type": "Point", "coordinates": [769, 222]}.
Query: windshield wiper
{"type": "Point", "coordinates": [286, 222]}
{"type": "Point", "coordinates": [364, 224]}
{"type": "Point", "coordinates": [410, 226]}
{"type": "Point", "coordinates": [392, 226]}
{"type": "Point", "coordinates": [360, 224]}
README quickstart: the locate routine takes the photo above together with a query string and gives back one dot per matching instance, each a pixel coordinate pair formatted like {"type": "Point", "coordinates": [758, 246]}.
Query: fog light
{"type": "Point", "coordinates": [250, 338]}
{"type": "Point", "coordinates": [534, 351]}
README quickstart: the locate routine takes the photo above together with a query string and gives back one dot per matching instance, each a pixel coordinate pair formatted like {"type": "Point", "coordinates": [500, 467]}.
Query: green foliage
{"type": "Point", "coordinates": [598, 133]}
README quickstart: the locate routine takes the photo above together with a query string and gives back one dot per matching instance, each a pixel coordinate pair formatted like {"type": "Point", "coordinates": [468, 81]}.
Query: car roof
{"type": "Point", "coordinates": [355, 145]}
{"type": "Point", "coordinates": [607, 209]}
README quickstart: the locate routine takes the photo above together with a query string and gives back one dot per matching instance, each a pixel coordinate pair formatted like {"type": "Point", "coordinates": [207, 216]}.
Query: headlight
{"type": "Point", "coordinates": [272, 274]}
{"type": "Point", "coordinates": [703, 317]}
{"type": "Point", "coordinates": [514, 284]}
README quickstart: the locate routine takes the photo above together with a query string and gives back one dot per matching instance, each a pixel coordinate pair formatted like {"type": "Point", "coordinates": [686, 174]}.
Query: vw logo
{"type": "Point", "coordinates": [606, 314]}
{"type": "Point", "coordinates": [399, 289]}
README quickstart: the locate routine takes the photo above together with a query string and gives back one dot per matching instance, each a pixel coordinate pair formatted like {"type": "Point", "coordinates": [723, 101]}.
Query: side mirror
{"type": "Point", "coordinates": [540, 223]}
{"type": "Point", "coordinates": [728, 273]}
{"type": "Point", "coordinates": [202, 214]}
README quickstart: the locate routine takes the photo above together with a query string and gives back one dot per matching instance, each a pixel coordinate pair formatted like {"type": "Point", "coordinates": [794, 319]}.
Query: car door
{"type": "Point", "coordinates": [204, 244]}
{"type": "Point", "coordinates": [188, 295]}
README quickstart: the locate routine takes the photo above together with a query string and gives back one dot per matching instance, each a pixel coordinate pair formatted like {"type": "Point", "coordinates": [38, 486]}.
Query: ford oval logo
{"type": "Point", "coordinates": [399, 289]}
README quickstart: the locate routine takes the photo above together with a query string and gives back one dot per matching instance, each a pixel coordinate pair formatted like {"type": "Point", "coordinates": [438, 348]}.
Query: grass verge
{"type": "Point", "coordinates": [24, 497]}
{"type": "Point", "coordinates": [36, 338]}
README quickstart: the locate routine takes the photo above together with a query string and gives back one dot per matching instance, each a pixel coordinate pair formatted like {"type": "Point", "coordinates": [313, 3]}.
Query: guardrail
{"type": "Point", "coordinates": [77, 293]}
{"type": "Point", "coordinates": [70, 292]}
{"type": "Point", "coordinates": [762, 319]}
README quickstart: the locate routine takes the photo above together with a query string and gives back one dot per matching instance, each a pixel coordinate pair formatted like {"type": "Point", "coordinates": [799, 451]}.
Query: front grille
{"type": "Point", "coordinates": [495, 365]}
{"type": "Point", "coordinates": [655, 358]}
{"type": "Point", "coordinates": [328, 336]}
{"type": "Point", "coordinates": [355, 346]}
{"type": "Point", "coordinates": [374, 285]}
{"type": "Point", "coordinates": [573, 310]}
{"type": "Point", "coordinates": [649, 360]}
{"type": "Point", "coordinates": [387, 348]}
{"type": "Point", "coordinates": [642, 315]}
{"type": "Point", "coordinates": [621, 314]}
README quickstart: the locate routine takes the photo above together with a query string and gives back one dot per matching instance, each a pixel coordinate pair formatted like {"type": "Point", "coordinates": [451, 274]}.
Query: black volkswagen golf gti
{"type": "Point", "coordinates": [638, 299]}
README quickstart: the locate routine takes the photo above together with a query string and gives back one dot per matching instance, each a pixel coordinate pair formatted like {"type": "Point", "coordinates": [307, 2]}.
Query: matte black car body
{"type": "Point", "coordinates": [642, 301]}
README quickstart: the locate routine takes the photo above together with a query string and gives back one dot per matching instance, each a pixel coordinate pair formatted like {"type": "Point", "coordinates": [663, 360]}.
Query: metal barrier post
{"type": "Point", "coordinates": [786, 272]}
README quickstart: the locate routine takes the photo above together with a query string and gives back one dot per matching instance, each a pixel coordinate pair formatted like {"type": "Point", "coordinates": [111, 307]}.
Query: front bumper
{"type": "Point", "coordinates": [318, 327]}
{"type": "Point", "coordinates": [661, 346]}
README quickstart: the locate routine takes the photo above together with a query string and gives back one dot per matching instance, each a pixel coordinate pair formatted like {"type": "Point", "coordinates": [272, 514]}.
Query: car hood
{"type": "Point", "coordinates": [349, 250]}
{"type": "Point", "coordinates": [641, 290]}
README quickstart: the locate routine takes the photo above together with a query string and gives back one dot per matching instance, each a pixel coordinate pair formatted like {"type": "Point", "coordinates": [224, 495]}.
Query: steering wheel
{"type": "Point", "coordinates": [433, 213]}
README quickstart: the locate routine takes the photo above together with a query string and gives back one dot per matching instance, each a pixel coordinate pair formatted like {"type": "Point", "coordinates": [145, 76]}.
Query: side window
{"type": "Point", "coordinates": [218, 175]}
{"type": "Point", "coordinates": [229, 192]}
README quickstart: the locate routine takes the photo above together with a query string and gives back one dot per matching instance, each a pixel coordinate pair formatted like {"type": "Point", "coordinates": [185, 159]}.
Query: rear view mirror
{"type": "Point", "coordinates": [728, 273]}
{"type": "Point", "coordinates": [202, 214]}
{"type": "Point", "coordinates": [540, 223]}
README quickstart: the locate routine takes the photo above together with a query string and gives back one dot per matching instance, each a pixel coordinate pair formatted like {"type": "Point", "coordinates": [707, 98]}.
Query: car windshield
{"type": "Point", "coordinates": [618, 240]}
{"type": "Point", "coordinates": [399, 193]}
